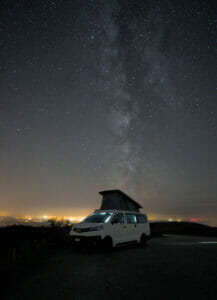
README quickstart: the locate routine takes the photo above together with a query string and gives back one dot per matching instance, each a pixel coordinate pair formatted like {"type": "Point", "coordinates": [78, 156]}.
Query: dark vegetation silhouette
{"type": "Point", "coordinates": [22, 246]}
{"type": "Point", "coordinates": [184, 228]}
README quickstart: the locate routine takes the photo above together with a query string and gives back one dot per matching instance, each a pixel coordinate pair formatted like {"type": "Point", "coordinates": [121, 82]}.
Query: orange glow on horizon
{"type": "Point", "coordinates": [81, 216]}
{"type": "Point", "coordinates": [50, 217]}
{"type": "Point", "coordinates": [77, 215]}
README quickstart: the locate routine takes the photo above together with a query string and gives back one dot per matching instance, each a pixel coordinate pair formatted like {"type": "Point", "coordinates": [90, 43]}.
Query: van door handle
{"type": "Point", "coordinates": [135, 225]}
{"type": "Point", "coordinates": [124, 226]}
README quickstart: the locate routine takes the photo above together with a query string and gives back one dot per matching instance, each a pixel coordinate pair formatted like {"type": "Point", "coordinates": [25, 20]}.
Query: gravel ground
{"type": "Point", "coordinates": [172, 267]}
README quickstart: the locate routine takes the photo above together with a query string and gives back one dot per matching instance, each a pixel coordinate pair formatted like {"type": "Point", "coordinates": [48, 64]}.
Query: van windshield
{"type": "Point", "coordinates": [98, 217]}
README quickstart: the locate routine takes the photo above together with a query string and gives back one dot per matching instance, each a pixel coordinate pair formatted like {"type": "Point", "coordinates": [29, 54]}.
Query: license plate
{"type": "Point", "coordinates": [77, 239]}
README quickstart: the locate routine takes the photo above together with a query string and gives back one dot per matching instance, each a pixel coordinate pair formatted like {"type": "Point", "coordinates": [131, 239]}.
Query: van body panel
{"type": "Point", "coordinates": [130, 228]}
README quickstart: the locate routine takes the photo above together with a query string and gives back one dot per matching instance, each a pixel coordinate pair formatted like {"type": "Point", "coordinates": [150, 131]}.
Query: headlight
{"type": "Point", "coordinates": [96, 228]}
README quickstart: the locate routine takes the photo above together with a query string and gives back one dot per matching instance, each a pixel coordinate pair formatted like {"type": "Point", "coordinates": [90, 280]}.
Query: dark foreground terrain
{"type": "Point", "coordinates": [170, 267]}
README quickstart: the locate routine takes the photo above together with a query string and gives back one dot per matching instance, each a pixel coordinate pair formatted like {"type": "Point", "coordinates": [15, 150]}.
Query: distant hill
{"type": "Point", "coordinates": [7, 221]}
{"type": "Point", "coordinates": [185, 228]}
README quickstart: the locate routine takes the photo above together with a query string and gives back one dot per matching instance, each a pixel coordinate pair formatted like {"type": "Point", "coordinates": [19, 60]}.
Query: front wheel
{"type": "Point", "coordinates": [143, 240]}
{"type": "Point", "coordinates": [106, 244]}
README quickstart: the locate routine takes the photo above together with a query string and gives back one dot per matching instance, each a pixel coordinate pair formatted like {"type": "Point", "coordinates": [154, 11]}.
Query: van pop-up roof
{"type": "Point", "coordinates": [116, 199]}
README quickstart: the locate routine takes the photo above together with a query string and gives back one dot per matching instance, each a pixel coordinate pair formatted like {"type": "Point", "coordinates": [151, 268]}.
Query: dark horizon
{"type": "Point", "coordinates": [108, 94]}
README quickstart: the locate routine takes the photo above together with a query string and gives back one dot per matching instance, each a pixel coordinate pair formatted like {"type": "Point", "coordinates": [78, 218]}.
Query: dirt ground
{"type": "Point", "coordinates": [172, 267]}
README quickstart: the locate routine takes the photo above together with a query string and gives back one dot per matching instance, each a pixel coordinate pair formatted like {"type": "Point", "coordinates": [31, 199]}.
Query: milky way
{"type": "Point", "coordinates": [108, 94]}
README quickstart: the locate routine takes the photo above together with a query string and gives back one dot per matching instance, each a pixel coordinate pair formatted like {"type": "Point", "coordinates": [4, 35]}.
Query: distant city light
{"type": "Point", "coordinates": [194, 220]}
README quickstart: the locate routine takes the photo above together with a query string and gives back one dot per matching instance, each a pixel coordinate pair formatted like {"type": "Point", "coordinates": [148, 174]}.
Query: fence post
{"type": "Point", "coordinates": [13, 256]}
{"type": "Point", "coordinates": [26, 251]}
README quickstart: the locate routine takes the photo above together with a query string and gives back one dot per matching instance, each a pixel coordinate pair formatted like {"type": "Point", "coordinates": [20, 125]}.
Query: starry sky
{"type": "Point", "coordinates": [108, 94]}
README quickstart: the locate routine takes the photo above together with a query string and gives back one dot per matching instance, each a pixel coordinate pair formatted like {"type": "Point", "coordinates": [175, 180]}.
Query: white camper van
{"type": "Point", "coordinates": [113, 227]}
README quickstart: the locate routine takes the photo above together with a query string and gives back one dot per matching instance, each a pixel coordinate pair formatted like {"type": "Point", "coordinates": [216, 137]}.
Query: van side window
{"type": "Point", "coordinates": [141, 218]}
{"type": "Point", "coordinates": [131, 218]}
{"type": "Point", "coordinates": [118, 219]}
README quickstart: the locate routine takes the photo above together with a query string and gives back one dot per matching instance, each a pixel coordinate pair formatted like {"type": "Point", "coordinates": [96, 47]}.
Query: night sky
{"type": "Point", "coordinates": [108, 94]}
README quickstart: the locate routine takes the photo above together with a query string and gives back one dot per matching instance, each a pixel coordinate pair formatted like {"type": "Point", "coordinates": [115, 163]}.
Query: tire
{"type": "Point", "coordinates": [107, 244]}
{"type": "Point", "coordinates": [143, 240]}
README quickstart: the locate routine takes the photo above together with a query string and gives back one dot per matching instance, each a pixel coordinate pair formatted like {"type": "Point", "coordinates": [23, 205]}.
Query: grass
{"type": "Point", "coordinates": [22, 246]}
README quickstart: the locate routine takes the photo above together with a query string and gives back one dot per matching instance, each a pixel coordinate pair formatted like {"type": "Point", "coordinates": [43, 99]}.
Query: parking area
{"type": "Point", "coordinates": [171, 267]}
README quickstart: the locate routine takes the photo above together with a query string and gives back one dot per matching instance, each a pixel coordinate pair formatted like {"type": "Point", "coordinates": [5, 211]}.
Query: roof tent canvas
{"type": "Point", "coordinates": [116, 199]}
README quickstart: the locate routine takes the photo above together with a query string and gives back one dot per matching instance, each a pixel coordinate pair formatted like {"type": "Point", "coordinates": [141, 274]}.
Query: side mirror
{"type": "Point", "coordinates": [115, 221]}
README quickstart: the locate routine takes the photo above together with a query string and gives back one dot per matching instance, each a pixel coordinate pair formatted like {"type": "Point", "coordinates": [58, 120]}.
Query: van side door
{"type": "Point", "coordinates": [142, 225]}
{"type": "Point", "coordinates": [132, 227]}
{"type": "Point", "coordinates": [118, 228]}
